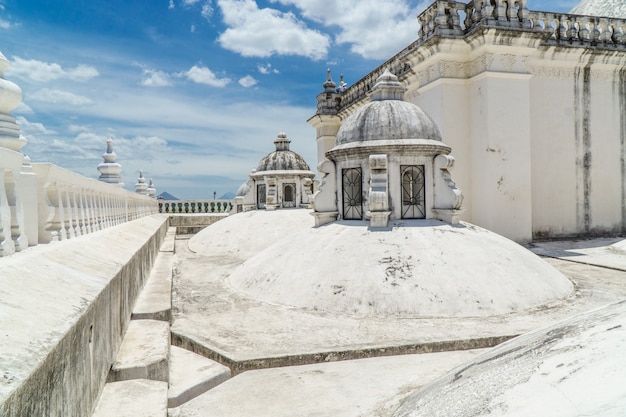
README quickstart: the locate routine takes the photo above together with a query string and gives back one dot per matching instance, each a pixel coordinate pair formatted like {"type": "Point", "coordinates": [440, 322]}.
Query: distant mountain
{"type": "Point", "coordinates": [228, 196]}
{"type": "Point", "coordinates": [608, 8]}
{"type": "Point", "coordinates": [167, 196]}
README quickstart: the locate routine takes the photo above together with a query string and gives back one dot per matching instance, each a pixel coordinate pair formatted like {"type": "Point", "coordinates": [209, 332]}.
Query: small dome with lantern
{"type": "Point", "coordinates": [282, 179]}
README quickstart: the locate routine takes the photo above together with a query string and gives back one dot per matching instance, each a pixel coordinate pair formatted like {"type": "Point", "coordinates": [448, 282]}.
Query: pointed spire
{"type": "Point", "coordinates": [329, 85]}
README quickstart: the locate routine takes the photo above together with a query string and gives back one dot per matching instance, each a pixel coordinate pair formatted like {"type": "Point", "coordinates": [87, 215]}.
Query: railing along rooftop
{"type": "Point", "coordinates": [454, 19]}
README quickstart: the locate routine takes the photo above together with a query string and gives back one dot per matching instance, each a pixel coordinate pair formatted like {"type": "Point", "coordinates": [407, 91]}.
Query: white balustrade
{"type": "Point", "coordinates": [70, 205]}
{"type": "Point", "coordinates": [196, 206]}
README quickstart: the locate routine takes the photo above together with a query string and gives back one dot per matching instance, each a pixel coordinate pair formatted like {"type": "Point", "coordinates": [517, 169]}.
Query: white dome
{"type": "Point", "coordinates": [387, 117]}
{"type": "Point", "coordinates": [282, 159]}
{"type": "Point", "coordinates": [607, 8]}
{"type": "Point", "coordinates": [416, 269]}
{"type": "Point", "coordinates": [573, 369]}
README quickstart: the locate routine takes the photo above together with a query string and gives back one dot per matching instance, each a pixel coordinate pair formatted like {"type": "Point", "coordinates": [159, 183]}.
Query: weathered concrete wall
{"type": "Point", "coordinates": [64, 309]}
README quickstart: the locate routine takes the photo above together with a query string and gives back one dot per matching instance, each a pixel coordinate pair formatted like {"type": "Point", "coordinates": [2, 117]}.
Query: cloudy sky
{"type": "Point", "coordinates": [193, 92]}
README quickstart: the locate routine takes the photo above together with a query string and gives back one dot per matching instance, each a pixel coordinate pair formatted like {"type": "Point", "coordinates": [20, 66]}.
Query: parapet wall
{"type": "Point", "coordinates": [64, 308]}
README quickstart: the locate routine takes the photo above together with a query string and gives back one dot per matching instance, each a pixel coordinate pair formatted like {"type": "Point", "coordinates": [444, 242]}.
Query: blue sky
{"type": "Point", "coordinates": [193, 92]}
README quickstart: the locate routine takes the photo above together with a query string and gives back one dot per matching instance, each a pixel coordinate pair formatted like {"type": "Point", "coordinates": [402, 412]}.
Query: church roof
{"type": "Point", "coordinates": [387, 117]}
{"type": "Point", "coordinates": [282, 159]}
{"type": "Point", "coordinates": [608, 8]}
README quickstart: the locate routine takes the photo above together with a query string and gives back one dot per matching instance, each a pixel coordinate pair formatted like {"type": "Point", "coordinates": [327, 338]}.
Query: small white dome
{"type": "Point", "coordinates": [387, 117]}
{"type": "Point", "coordinates": [282, 159]}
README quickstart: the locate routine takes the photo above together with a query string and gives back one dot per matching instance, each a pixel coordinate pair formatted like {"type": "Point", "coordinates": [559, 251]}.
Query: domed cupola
{"type": "Point", "coordinates": [282, 159]}
{"type": "Point", "coordinates": [388, 162]}
{"type": "Point", "coordinates": [387, 117]}
{"type": "Point", "coordinates": [282, 179]}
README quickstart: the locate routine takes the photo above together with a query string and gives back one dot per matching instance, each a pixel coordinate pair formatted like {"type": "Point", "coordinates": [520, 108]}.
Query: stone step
{"type": "Point", "coordinates": [155, 300]}
{"type": "Point", "coordinates": [136, 398]}
{"type": "Point", "coordinates": [192, 375]}
{"type": "Point", "coordinates": [144, 352]}
{"type": "Point", "coordinates": [169, 241]}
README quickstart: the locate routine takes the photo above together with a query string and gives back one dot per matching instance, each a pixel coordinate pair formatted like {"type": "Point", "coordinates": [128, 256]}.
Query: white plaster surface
{"type": "Point", "coordinates": [609, 252]}
{"type": "Point", "coordinates": [245, 329]}
{"type": "Point", "coordinates": [574, 368]}
{"type": "Point", "coordinates": [192, 375]}
{"type": "Point", "coordinates": [136, 398]}
{"type": "Point", "coordinates": [365, 387]}
{"type": "Point", "coordinates": [144, 352]}
{"type": "Point", "coordinates": [415, 268]}
{"type": "Point", "coordinates": [51, 298]}
{"type": "Point", "coordinates": [155, 300]}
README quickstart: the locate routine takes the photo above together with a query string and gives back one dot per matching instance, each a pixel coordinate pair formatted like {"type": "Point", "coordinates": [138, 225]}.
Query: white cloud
{"type": "Point", "coordinates": [193, 29]}
{"type": "Point", "coordinates": [31, 128]}
{"type": "Point", "coordinates": [266, 69]}
{"type": "Point", "coordinates": [265, 32]}
{"type": "Point", "coordinates": [247, 81]}
{"type": "Point", "coordinates": [154, 78]}
{"type": "Point", "coordinates": [39, 71]}
{"type": "Point", "coordinates": [203, 75]}
{"type": "Point", "coordinates": [5, 24]}
{"type": "Point", "coordinates": [171, 5]}
{"type": "Point", "coordinates": [207, 11]}
{"type": "Point", "coordinates": [23, 108]}
{"type": "Point", "coordinates": [190, 2]}
{"type": "Point", "coordinates": [48, 95]}
{"type": "Point", "coordinates": [375, 29]}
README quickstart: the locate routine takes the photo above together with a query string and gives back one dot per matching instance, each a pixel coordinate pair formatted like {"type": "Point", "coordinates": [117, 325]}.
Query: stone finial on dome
{"type": "Point", "coordinates": [10, 98]}
{"type": "Point", "coordinates": [282, 142]}
{"type": "Point", "coordinates": [109, 169]}
{"type": "Point", "coordinates": [387, 87]}
{"type": "Point", "coordinates": [140, 186]}
{"type": "Point", "coordinates": [151, 190]}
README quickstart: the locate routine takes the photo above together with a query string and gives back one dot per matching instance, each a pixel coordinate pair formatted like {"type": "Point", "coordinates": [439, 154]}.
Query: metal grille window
{"type": "Point", "coordinates": [413, 202]}
{"type": "Point", "coordinates": [260, 196]}
{"type": "Point", "coordinates": [289, 198]}
{"type": "Point", "coordinates": [352, 181]}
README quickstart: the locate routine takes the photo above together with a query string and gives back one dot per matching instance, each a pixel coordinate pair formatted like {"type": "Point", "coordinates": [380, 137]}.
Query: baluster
{"type": "Point", "coordinates": [76, 225]}
{"type": "Point", "coordinates": [477, 11]}
{"type": "Point", "coordinates": [500, 10]}
{"type": "Point", "coordinates": [562, 31]}
{"type": "Point", "coordinates": [573, 31]}
{"type": "Point", "coordinates": [606, 31]}
{"type": "Point", "coordinates": [596, 34]}
{"type": "Point", "coordinates": [584, 34]}
{"type": "Point", "coordinates": [7, 246]}
{"type": "Point", "coordinates": [455, 20]}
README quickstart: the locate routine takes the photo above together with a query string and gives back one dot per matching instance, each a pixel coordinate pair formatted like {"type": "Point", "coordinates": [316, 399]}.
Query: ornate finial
{"type": "Point", "coordinates": [329, 85]}
{"type": "Point", "coordinates": [109, 169]}
{"type": "Point", "coordinates": [387, 87]}
{"type": "Point", "coordinates": [282, 142]}
{"type": "Point", "coordinates": [140, 186]}
{"type": "Point", "coordinates": [151, 190]}
{"type": "Point", "coordinates": [10, 98]}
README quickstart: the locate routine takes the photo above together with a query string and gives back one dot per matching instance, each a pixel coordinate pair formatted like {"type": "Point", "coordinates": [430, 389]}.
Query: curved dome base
{"type": "Point", "coordinates": [417, 268]}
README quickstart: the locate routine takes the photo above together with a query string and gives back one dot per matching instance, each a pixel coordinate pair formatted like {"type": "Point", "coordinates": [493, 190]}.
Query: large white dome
{"type": "Point", "coordinates": [608, 8]}
{"type": "Point", "coordinates": [418, 268]}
